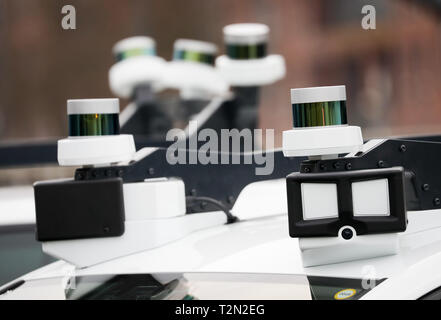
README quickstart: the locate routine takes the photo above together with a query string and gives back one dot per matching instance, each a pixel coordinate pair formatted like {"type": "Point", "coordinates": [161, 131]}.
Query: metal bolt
{"type": "Point", "coordinates": [79, 176]}
{"type": "Point", "coordinates": [193, 192]}
{"type": "Point", "coordinates": [106, 229]}
{"type": "Point", "coordinates": [230, 199]}
{"type": "Point", "coordinates": [151, 171]}
{"type": "Point", "coordinates": [322, 166]}
{"type": "Point", "coordinates": [120, 172]}
{"type": "Point", "coordinates": [381, 164]}
{"type": "Point", "coordinates": [307, 169]}
{"type": "Point", "coordinates": [336, 165]}
{"type": "Point", "coordinates": [403, 148]}
{"type": "Point", "coordinates": [348, 166]}
{"type": "Point", "coordinates": [436, 201]}
{"type": "Point", "coordinates": [425, 187]}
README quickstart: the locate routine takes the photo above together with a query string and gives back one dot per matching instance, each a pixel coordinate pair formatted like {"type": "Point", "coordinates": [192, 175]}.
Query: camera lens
{"type": "Point", "coordinates": [347, 233]}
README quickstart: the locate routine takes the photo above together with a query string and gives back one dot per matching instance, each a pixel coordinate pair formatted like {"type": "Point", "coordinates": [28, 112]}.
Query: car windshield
{"type": "Point", "coordinates": [207, 286]}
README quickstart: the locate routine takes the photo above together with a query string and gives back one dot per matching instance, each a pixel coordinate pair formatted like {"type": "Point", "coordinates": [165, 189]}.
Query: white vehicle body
{"type": "Point", "coordinates": [260, 244]}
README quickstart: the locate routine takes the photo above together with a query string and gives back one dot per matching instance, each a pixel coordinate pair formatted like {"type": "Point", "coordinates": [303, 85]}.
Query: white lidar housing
{"type": "Point", "coordinates": [92, 106]}
{"type": "Point", "coordinates": [193, 79]}
{"type": "Point", "coordinates": [252, 72]}
{"type": "Point", "coordinates": [94, 150]}
{"type": "Point", "coordinates": [126, 75]}
{"type": "Point", "coordinates": [320, 141]}
{"type": "Point", "coordinates": [318, 94]}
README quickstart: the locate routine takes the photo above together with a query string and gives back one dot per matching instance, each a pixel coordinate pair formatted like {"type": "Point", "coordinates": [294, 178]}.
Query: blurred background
{"type": "Point", "coordinates": [392, 73]}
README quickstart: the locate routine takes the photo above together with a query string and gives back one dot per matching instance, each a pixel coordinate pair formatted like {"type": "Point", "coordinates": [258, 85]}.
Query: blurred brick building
{"type": "Point", "coordinates": [392, 73]}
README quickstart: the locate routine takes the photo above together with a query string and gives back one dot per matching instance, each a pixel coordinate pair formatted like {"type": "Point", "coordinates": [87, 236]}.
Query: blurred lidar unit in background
{"type": "Point", "coordinates": [133, 75]}
{"type": "Point", "coordinates": [218, 92]}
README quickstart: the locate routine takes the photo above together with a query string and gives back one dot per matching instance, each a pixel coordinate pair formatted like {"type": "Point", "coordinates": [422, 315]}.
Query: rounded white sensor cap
{"type": "Point", "coordinates": [138, 42]}
{"type": "Point", "coordinates": [246, 33]}
{"type": "Point", "coordinates": [318, 94]}
{"type": "Point", "coordinates": [253, 72]}
{"type": "Point", "coordinates": [320, 141]}
{"type": "Point", "coordinates": [95, 150]}
{"type": "Point", "coordinates": [195, 45]}
{"type": "Point", "coordinates": [91, 106]}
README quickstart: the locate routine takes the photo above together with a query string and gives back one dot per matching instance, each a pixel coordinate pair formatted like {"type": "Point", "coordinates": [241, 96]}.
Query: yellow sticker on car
{"type": "Point", "coordinates": [345, 294]}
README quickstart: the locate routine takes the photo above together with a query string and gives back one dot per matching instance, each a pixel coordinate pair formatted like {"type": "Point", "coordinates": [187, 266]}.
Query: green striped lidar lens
{"type": "Point", "coordinates": [319, 114]}
{"type": "Point", "coordinates": [246, 51]}
{"type": "Point", "coordinates": [134, 52]}
{"type": "Point", "coordinates": [194, 56]}
{"type": "Point", "coordinates": [93, 124]}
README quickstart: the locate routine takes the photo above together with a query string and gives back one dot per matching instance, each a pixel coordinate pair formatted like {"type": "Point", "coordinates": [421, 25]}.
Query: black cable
{"type": "Point", "coordinates": [230, 217]}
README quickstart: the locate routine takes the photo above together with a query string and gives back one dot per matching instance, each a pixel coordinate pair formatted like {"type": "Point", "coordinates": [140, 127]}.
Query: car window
{"type": "Point", "coordinates": [187, 286]}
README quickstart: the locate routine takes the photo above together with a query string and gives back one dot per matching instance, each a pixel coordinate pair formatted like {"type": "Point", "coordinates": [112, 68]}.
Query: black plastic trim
{"type": "Point", "coordinates": [69, 209]}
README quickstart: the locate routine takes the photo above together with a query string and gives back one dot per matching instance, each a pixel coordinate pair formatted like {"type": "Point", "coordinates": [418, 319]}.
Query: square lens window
{"type": "Point", "coordinates": [319, 200]}
{"type": "Point", "coordinates": [371, 198]}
